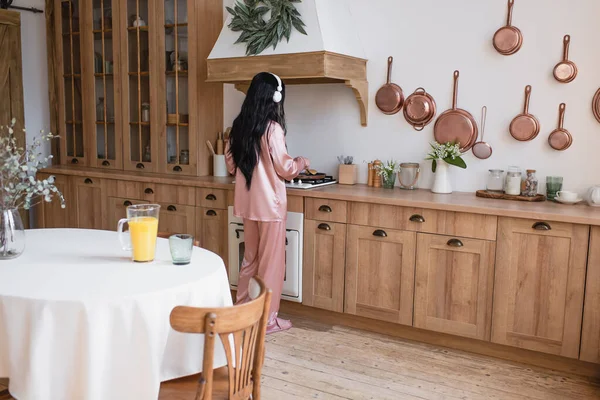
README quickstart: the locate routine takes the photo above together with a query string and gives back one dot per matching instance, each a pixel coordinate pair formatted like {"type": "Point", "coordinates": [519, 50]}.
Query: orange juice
{"type": "Point", "coordinates": [143, 232]}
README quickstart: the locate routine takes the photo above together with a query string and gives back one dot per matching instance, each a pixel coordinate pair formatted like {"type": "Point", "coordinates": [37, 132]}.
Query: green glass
{"type": "Point", "coordinates": [389, 182]}
{"type": "Point", "coordinates": [181, 248]}
{"type": "Point", "coordinates": [553, 185]}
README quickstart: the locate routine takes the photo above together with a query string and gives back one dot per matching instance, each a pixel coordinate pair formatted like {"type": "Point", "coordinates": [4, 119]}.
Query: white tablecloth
{"type": "Point", "coordinates": [79, 320]}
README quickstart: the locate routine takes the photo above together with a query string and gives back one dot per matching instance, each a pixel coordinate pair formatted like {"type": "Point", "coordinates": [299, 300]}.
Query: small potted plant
{"type": "Point", "coordinates": [444, 155]}
{"type": "Point", "coordinates": [347, 170]}
{"type": "Point", "coordinates": [387, 171]}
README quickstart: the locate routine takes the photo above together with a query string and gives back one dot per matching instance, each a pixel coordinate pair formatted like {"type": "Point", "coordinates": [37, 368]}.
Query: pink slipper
{"type": "Point", "coordinates": [279, 325]}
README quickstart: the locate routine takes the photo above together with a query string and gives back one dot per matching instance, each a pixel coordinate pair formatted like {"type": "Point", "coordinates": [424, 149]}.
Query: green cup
{"type": "Point", "coordinates": [181, 248]}
{"type": "Point", "coordinates": [553, 185]}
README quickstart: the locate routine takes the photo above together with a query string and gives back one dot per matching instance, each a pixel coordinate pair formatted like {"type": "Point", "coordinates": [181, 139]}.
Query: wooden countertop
{"type": "Point", "coordinates": [457, 201]}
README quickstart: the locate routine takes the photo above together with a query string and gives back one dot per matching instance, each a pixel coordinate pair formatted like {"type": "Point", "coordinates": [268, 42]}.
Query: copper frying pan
{"type": "Point", "coordinates": [565, 71]}
{"type": "Point", "coordinates": [508, 39]}
{"type": "Point", "coordinates": [560, 139]}
{"type": "Point", "coordinates": [389, 98]}
{"type": "Point", "coordinates": [525, 126]}
{"type": "Point", "coordinates": [419, 109]}
{"type": "Point", "coordinates": [596, 105]}
{"type": "Point", "coordinates": [456, 125]}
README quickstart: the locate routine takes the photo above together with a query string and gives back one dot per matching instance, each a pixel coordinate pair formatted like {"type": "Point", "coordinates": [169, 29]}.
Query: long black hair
{"type": "Point", "coordinates": [258, 111]}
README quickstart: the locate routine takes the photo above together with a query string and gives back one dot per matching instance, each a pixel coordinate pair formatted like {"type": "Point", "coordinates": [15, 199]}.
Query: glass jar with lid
{"type": "Point", "coordinates": [530, 184]}
{"type": "Point", "coordinates": [495, 181]}
{"type": "Point", "coordinates": [512, 184]}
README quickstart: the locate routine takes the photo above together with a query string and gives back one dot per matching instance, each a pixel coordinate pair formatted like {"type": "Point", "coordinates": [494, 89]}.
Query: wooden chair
{"type": "Point", "coordinates": [166, 235]}
{"type": "Point", "coordinates": [242, 331]}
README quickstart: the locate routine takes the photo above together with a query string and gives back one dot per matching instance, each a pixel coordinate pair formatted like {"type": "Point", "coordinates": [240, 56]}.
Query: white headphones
{"type": "Point", "coordinates": [277, 96]}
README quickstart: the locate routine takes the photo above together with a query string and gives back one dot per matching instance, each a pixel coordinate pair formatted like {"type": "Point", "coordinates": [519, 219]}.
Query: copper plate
{"type": "Point", "coordinates": [419, 109]}
{"type": "Point", "coordinates": [596, 105]}
{"type": "Point", "coordinates": [389, 98]}
{"type": "Point", "coordinates": [456, 125]}
{"type": "Point", "coordinates": [565, 71]}
{"type": "Point", "coordinates": [560, 139]}
{"type": "Point", "coordinates": [525, 126]}
{"type": "Point", "coordinates": [508, 39]}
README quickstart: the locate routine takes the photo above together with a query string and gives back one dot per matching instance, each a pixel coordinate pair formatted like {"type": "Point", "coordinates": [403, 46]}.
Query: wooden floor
{"type": "Point", "coordinates": [320, 361]}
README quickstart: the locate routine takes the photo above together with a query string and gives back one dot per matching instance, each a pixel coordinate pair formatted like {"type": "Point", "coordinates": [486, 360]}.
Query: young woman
{"type": "Point", "coordinates": [257, 154]}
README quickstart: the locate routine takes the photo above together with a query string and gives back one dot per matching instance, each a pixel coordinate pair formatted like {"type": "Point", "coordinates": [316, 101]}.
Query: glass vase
{"type": "Point", "coordinates": [388, 181]}
{"type": "Point", "coordinates": [12, 234]}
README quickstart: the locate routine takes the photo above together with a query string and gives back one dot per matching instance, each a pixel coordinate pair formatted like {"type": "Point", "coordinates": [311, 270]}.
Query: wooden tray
{"type": "Point", "coordinates": [502, 196]}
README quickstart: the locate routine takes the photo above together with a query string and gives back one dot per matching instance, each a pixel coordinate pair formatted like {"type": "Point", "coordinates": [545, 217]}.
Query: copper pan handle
{"type": "Point", "coordinates": [389, 75]}
{"type": "Point", "coordinates": [527, 97]}
{"type": "Point", "coordinates": [561, 115]}
{"type": "Point", "coordinates": [566, 43]}
{"type": "Point", "coordinates": [455, 92]}
{"type": "Point", "coordinates": [511, 3]}
{"type": "Point", "coordinates": [419, 128]}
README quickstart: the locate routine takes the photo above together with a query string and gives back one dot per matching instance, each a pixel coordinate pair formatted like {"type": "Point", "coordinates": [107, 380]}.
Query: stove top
{"type": "Point", "coordinates": [310, 184]}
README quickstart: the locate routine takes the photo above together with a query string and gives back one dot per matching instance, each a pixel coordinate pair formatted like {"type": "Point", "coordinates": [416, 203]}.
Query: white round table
{"type": "Point", "coordinates": [79, 320]}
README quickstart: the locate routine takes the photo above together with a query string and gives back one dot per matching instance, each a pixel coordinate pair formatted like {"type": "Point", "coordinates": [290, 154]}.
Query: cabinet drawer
{"type": "Point", "coordinates": [158, 193]}
{"type": "Point", "coordinates": [326, 210]}
{"type": "Point", "coordinates": [124, 189]}
{"type": "Point", "coordinates": [87, 182]}
{"type": "Point", "coordinates": [177, 218]}
{"type": "Point", "coordinates": [212, 198]}
{"type": "Point", "coordinates": [451, 223]}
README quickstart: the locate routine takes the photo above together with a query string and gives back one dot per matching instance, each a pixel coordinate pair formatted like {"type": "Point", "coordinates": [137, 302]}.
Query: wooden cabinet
{"type": "Point", "coordinates": [177, 218]}
{"type": "Point", "coordinates": [211, 228]}
{"type": "Point", "coordinates": [590, 335]}
{"type": "Point", "coordinates": [51, 215]}
{"type": "Point", "coordinates": [88, 203]}
{"type": "Point", "coordinates": [117, 210]}
{"type": "Point", "coordinates": [539, 285]}
{"type": "Point", "coordinates": [380, 267]}
{"type": "Point", "coordinates": [454, 285]}
{"type": "Point", "coordinates": [324, 265]}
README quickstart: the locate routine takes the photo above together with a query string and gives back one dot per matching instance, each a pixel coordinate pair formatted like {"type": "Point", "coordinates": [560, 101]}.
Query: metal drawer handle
{"type": "Point", "coordinates": [211, 213]}
{"type": "Point", "coordinates": [74, 161]}
{"type": "Point", "coordinates": [542, 226]}
{"type": "Point", "coordinates": [417, 218]}
{"type": "Point", "coordinates": [211, 197]}
{"type": "Point", "coordinates": [140, 166]}
{"type": "Point", "coordinates": [171, 208]}
{"type": "Point", "coordinates": [325, 208]}
{"type": "Point", "coordinates": [88, 181]}
{"type": "Point", "coordinates": [105, 163]}
{"type": "Point", "coordinates": [177, 168]}
{"type": "Point", "coordinates": [149, 191]}
{"type": "Point", "coordinates": [127, 203]}
{"type": "Point", "coordinates": [324, 227]}
{"type": "Point", "coordinates": [380, 233]}
{"type": "Point", "coordinates": [455, 243]}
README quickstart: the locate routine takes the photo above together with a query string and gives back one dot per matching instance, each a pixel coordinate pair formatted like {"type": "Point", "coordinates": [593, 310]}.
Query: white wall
{"type": "Point", "coordinates": [429, 39]}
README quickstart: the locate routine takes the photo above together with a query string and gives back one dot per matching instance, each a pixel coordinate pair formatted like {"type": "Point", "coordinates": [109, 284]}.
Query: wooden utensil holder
{"type": "Point", "coordinates": [347, 174]}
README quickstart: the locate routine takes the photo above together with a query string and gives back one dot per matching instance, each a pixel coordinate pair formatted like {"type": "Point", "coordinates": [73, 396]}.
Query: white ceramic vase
{"type": "Point", "coordinates": [442, 184]}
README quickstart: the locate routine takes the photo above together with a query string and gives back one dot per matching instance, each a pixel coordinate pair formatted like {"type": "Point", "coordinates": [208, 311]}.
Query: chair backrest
{"type": "Point", "coordinates": [242, 331]}
{"type": "Point", "coordinates": [166, 235]}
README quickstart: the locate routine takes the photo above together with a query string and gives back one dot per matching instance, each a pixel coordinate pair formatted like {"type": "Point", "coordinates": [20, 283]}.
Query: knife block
{"type": "Point", "coordinates": [347, 174]}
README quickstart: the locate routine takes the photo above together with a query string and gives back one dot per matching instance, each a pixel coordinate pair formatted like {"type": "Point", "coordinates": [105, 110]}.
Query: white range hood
{"type": "Point", "coordinates": [331, 52]}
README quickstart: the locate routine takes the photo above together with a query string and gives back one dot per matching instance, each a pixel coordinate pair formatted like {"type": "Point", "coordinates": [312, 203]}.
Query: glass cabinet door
{"type": "Point", "coordinates": [179, 74]}
{"type": "Point", "coordinates": [105, 85]}
{"type": "Point", "coordinates": [70, 96]}
{"type": "Point", "coordinates": [140, 90]}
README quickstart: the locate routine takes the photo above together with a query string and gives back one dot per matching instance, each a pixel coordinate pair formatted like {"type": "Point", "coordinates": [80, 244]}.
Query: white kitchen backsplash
{"type": "Point", "coordinates": [429, 39]}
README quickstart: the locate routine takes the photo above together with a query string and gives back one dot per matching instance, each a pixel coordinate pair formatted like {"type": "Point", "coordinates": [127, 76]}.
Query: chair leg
{"type": "Point", "coordinates": [201, 389]}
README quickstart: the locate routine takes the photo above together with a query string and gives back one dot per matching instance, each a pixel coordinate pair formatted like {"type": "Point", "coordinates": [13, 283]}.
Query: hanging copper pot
{"type": "Point", "coordinates": [508, 39]}
{"type": "Point", "coordinates": [596, 105]}
{"type": "Point", "coordinates": [565, 71]}
{"type": "Point", "coordinates": [419, 109]}
{"type": "Point", "coordinates": [525, 127]}
{"type": "Point", "coordinates": [560, 139]}
{"type": "Point", "coordinates": [389, 97]}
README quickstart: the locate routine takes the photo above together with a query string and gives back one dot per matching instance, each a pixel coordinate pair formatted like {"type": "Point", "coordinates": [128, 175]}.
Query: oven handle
{"type": "Point", "coordinates": [237, 232]}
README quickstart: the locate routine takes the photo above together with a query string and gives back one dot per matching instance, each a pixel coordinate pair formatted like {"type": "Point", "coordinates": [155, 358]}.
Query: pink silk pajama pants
{"type": "Point", "coordinates": [264, 255]}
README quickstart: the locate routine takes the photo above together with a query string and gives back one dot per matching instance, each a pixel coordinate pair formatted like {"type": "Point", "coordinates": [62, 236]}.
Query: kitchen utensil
{"type": "Point", "coordinates": [311, 172]}
{"type": "Point", "coordinates": [481, 149]}
{"type": "Point", "coordinates": [376, 176]}
{"type": "Point", "coordinates": [575, 200]}
{"type": "Point", "coordinates": [565, 71]}
{"type": "Point", "coordinates": [210, 147]}
{"type": "Point", "coordinates": [508, 39]}
{"type": "Point", "coordinates": [389, 97]}
{"type": "Point", "coordinates": [596, 105]}
{"type": "Point", "coordinates": [553, 185]}
{"type": "Point", "coordinates": [456, 125]}
{"type": "Point", "coordinates": [560, 139]}
{"type": "Point", "coordinates": [371, 175]}
{"type": "Point", "coordinates": [525, 127]}
{"type": "Point", "coordinates": [487, 194]}
{"type": "Point", "coordinates": [311, 177]}
{"type": "Point", "coordinates": [567, 195]}
{"type": "Point", "coordinates": [219, 143]}
{"type": "Point", "coordinates": [219, 165]}
{"type": "Point", "coordinates": [409, 175]}
{"type": "Point", "coordinates": [419, 109]}
{"type": "Point", "coordinates": [593, 196]}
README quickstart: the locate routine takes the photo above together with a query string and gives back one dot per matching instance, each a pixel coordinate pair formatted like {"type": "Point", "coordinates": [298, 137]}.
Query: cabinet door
{"type": "Point", "coordinates": [539, 285]}
{"type": "Point", "coordinates": [89, 203]}
{"type": "Point", "coordinates": [117, 209]}
{"type": "Point", "coordinates": [590, 337]}
{"type": "Point", "coordinates": [51, 215]}
{"type": "Point", "coordinates": [454, 285]}
{"type": "Point", "coordinates": [212, 230]}
{"type": "Point", "coordinates": [380, 270]}
{"type": "Point", "coordinates": [176, 218]}
{"type": "Point", "coordinates": [324, 265]}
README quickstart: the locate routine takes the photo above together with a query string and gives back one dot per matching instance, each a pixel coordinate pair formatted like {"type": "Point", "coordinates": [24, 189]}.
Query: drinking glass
{"type": "Point", "coordinates": [181, 248]}
{"type": "Point", "coordinates": [143, 229]}
{"type": "Point", "coordinates": [553, 185]}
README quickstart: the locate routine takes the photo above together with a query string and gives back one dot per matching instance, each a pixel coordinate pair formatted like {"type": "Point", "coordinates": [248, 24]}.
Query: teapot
{"type": "Point", "coordinates": [593, 196]}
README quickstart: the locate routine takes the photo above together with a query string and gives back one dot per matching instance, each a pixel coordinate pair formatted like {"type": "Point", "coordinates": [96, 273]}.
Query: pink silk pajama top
{"type": "Point", "coordinates": [266, 200]}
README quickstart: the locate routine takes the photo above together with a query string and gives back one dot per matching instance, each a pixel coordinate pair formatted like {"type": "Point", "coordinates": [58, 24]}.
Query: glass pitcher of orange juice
{"type": "Point", "coordinates": [143, 228]}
